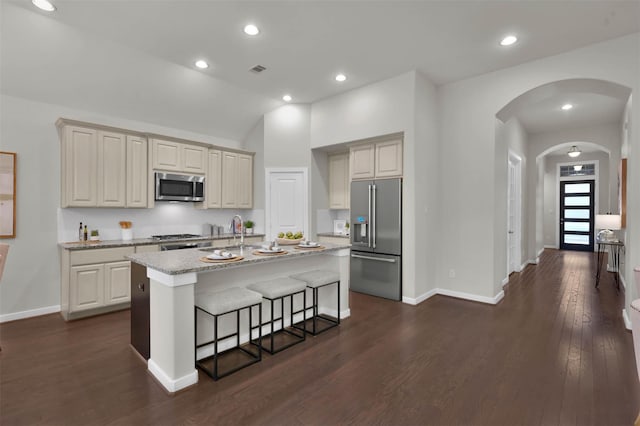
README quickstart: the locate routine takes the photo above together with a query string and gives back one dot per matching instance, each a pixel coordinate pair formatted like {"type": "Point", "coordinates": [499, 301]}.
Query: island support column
{"type": "Point", "coordinates": [172, 351]}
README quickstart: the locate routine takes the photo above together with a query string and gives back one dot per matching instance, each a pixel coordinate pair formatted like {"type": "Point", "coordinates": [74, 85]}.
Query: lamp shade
{"type": "Point", "coordinates": [608, 221]}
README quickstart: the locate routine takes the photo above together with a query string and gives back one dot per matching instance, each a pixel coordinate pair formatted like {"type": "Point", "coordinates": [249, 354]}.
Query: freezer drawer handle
{"type": "Point", "coordinates": [379, 259]}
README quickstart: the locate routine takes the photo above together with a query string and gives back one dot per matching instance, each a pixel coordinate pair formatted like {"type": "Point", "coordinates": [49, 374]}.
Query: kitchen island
{"type": "Point", "coordinates": [178, 277]}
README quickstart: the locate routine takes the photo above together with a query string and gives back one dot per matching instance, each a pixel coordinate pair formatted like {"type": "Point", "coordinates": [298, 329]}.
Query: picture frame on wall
{"type": "Point", "coordinates": [7, 194]}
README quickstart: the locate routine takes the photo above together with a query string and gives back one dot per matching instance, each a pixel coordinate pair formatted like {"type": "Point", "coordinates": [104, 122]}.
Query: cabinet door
{"type": "Point", "coordinates": [117, 282]}
{"type": "Point", "coordinates": [194, 158]}
{"type": "Point", "coordinates": [229, 175]}
{"type": "Point", "coordinates": [362, 161]}
{"type": "Point", "coordinates": [136, 171]}
{"type": "Point", "coordinates": [86, 287]}
{"type": "Point", "coordinates": [214, 179]}
{"type": "Point", "coordinates": [244, 182]}
{"type": "Point", "coordinates": [79, 167]}
{"type": "Point", "coordinates": [112, 154]}
{"type": "Point", "coordinates": [389, 159]}
{"type": "Point", "coordinates": [166, 155]}
{"type": "Point", "coordinates": [339, 181]}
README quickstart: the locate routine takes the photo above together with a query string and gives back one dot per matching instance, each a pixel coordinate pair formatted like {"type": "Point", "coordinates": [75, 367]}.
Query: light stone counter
{"type": "Point", "coordinates": [177, 278]}
{"type": "Point", "coordinates": [84, 245]}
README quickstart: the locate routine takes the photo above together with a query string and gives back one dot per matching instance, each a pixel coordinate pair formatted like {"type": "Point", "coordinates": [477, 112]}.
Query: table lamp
{"type": "Point", "coordinates": [607, 223]}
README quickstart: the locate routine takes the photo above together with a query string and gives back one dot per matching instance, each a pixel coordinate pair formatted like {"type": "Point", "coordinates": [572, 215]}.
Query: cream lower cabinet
{"type": "Point", "coordinates": [94, 281]}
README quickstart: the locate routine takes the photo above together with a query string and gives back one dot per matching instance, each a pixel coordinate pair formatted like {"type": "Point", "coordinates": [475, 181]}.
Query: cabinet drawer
{"type": "Point", "coordinates": [85, 257]}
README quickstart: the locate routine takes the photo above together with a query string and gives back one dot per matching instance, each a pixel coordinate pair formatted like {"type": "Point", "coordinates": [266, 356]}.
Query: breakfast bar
{"type": "Point", "coordinates": [178, 277]}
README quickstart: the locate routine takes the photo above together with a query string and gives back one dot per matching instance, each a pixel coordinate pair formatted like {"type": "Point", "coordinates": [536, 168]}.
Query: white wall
{"type": "Point", "coordinates": [470, 182]}
{"type": "Point", "coordinates": [31, 279]}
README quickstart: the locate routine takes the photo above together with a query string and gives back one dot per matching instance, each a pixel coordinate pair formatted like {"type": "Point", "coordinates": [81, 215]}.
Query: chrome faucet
{"type": "Point", "coordinates": [233, 224]}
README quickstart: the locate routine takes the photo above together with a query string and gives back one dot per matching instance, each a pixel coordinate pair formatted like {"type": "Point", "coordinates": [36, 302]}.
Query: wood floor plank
{"type": "Point", "coordinates": [554, 351]}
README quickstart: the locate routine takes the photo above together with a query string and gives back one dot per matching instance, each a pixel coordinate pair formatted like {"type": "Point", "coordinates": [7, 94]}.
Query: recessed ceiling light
{"type": "Point", "coordinates": [202, 64]}
{"type": "Point", "coordinates": [251, 30]}
{"type": "Point", "coordinates": [567, 107]}
{"type": "Point", "coordinates": [287, 98]}
{"type": "Point", "coordinates": [44, 5]}
{"type": "Point", "coordinates": [508, 40]}
{"type": "Point", "coordinates": [341, 77]}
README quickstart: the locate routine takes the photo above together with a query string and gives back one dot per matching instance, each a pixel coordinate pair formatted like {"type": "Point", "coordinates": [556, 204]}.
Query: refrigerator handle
{"type": "Point", "coordinates": [369, 221]}
{"type": "Point", "coordinates": [377, 259]}
{"type": "Point", "coordinates": [374, 207]}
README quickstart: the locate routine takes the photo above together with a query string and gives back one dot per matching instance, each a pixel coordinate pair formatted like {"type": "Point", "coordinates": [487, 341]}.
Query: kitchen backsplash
{"type": "Point", "coordinates": [165, 218]}
{"type": "Point", "coordinates": [326, 217]}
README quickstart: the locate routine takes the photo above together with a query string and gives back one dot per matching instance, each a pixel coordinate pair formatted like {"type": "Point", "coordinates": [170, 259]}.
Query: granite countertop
{"type": "Point", "coordinates": [332, 234]}
{"type": "Point", "coordinates": [177, 262]}
{"type": "Point", "coordinates": [82, 245]}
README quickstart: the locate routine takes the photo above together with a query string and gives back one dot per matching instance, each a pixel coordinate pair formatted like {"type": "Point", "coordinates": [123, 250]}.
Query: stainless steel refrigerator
{"type": "Point", "coordinates": [376, 238]}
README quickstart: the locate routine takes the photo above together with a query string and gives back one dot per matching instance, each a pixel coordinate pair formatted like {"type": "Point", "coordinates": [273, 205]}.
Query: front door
{"type": "Point", "coordinates": [577, 214]}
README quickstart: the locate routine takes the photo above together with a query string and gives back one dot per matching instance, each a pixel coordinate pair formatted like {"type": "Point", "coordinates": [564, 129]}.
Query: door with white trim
{"type": "Point", "coordinates": [513, 215]}
{"type": "Point", "coordinates": [286, 202]}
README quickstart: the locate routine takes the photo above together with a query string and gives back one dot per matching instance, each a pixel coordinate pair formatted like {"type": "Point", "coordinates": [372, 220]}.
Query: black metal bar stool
{"type": "Point", "coordinates": [280, 289]}
{"type": "Point", "coordinates": [217, 304]}
{"type": "Point", "coordinates": [315, 280]}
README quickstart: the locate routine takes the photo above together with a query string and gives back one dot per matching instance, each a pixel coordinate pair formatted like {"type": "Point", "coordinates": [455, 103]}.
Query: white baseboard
{"type": "Point", "coordinates": [474, 297]}
{"type": "Point", "coordinates": [345, 313]}
{"type": "Point", "coordinates": [419, 299]}
{"type": "Point", "coordinates": [533, 261]}
{"type": "Point", "coordinates": [172, 385]}
{"type": "Point", "coordinates": [551, 247]}
{"type": "Point", "coordinates": [30, 313]}
{"type": "Point", "coordinates": [627, 321]}
{"type": "Point", "coordinates": [540, 252]}
{"type": "Point", "coordinates": [524, 265]}
{"type": "Point", "coordinates": [505, 281]}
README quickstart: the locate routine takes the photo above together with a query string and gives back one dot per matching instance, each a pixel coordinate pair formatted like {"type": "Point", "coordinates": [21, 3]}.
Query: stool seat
{"type": "Point", "coordinates": [232, 299]}
{"type": "Point", "coordinates": [273, 289]}
{"type": "Point", "coordinates": [317, 278]}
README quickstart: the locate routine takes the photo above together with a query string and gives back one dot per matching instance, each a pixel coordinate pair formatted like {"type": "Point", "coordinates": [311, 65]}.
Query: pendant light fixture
{"type": "Point", "coordinates": [574, 152]}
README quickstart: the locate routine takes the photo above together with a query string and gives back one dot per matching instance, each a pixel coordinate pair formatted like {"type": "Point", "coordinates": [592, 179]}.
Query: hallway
{"type": "Point", "coordinates": [554, 351]}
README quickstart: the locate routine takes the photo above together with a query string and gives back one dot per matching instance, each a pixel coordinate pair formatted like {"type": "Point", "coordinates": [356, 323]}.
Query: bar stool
{"type": "Point", "coordinates": [279, 289]}
{"type": "Point", "coordinates": [315, 280]}
{"type": "Point", "coordinates": [217, 304]}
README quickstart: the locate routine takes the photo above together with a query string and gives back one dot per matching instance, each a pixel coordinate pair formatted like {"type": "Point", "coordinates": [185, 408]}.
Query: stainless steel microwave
{"type": "Point", "coordinates": [175, 187]}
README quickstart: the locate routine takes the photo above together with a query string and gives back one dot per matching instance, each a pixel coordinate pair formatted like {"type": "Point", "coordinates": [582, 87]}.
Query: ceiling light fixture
{"type": "Point", "coordinates": [574, 151]}
{"type": "Point", "coordinates": [44, 5]}
{"type": "Point", "coordinates": [341, 77]}
{"type": "Point", "coordinates": [251, 30]}
{"type": "Point", "coordinates": [287, 98]}
{"type": "Point", "coordinates": [567, 107]}
{"type": "Point", "coordinates": [202, 64]}
{"type": "Point", "coordinates": [508, 40]}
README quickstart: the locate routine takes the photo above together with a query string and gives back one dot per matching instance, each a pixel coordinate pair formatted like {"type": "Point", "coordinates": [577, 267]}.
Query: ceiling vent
{"type": "Point", "coordinates": [257, 69]}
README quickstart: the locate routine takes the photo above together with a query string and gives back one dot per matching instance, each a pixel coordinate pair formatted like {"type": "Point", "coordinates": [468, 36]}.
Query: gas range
{"type": "Point", "coordinates": [170, 237]}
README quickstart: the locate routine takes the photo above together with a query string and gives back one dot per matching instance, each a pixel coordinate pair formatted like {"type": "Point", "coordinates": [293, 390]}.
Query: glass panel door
{"type": "Point", "coordinates": [576, 215]}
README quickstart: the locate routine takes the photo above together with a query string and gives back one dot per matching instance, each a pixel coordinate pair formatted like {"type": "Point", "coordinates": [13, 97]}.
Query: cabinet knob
{"type": "Point", "coordinates": [141, 286]}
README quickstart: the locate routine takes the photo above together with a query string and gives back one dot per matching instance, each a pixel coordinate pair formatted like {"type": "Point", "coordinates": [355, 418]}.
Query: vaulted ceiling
{"type": "Point", "coordinates": [134, 59]}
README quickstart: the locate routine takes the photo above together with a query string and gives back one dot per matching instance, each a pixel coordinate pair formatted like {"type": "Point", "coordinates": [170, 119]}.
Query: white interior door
{"type": "Point", "coordinates": [286, 202]}
{"type": "Point", "coordinates": [513, 215]}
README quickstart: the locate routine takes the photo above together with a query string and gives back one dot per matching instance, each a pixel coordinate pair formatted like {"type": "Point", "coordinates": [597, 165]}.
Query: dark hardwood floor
{"type": "Point", "coordinates": [554, 351]}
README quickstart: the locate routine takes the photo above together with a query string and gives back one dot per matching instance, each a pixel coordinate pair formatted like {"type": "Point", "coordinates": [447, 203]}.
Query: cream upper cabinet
{"type": "Point", "coordinates": [79, 167]}
{"type": "Point", "coordinates": [102, 168]}
{"type": "Point", "coordinates": [166, 155]}
{"type": "Point", "coordinates": [213, 183]}
{"type": "Point", "coordinates": [362, 161]}
{"type": "Point", "coordinates": [194, 158]}
{"type": "Point", "coordinates": [112, 154]}
{"type": "Point", "coordinates": [376, 160]}
{"type": "Point", "coordinates": [244, 182]}
{"type": "Point", "coordinates": [237, 180]}
{"type": "Point", "coordinates": [136, 171]}
{"type": "Point", "coordinates": [178, 157]}
{"type": "Point", "coordinates": [229, 173]}
{"type": "Point", "coordinates": [389, 159]}
{"type": "Point", "coordinates": [339, 182]}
